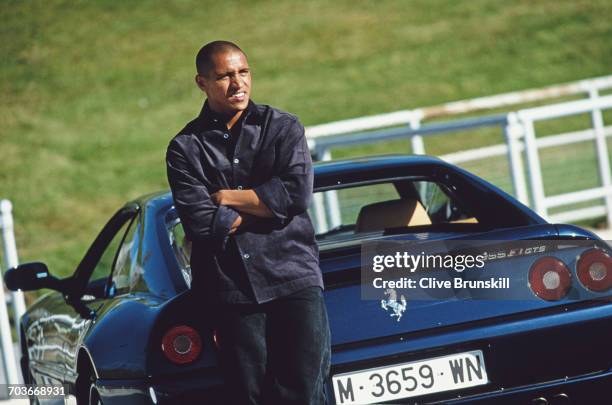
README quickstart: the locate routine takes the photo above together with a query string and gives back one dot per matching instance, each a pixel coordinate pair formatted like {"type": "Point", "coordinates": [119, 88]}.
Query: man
{"type": "Point", "coordinates": [241, 177]}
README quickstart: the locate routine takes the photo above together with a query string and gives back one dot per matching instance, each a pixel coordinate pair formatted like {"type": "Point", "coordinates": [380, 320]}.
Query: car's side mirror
{"type": "Point", "coordinates": [31, 276]}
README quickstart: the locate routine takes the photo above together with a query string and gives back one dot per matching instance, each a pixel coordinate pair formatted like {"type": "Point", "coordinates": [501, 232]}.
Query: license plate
{"type": "Point", "coordinates": [412, 379]}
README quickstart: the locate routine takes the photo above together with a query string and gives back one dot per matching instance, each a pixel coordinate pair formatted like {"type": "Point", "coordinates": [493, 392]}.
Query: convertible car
{"type": "Point", "coordinates": [125, 328]}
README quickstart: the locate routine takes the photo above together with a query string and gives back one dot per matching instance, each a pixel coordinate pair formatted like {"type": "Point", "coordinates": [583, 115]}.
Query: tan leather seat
{"type": "Point", "coordinates": [470, 220]}
{"type": "Point", "coordinates": [390, 214]}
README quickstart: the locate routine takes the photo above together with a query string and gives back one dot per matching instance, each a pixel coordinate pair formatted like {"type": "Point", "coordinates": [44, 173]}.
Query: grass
{"type": "Point", "coordinates": [91, 92]}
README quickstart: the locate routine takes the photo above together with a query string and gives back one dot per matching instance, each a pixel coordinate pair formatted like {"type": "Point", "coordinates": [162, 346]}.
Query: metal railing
{"type": "Point", "coordinates": [9, 362]}
{"type": "Point", "coordinates": [520, 143]}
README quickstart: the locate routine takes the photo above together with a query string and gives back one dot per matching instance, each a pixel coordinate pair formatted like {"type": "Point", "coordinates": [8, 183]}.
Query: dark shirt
{"type": "Point", "coordinates": [266, 151]}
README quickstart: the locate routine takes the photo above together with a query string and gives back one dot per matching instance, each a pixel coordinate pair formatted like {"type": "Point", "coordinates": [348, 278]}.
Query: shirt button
{"type": "Point", "coordinates": [225, 136]}
{"type": "Point", "coordinates": [246, 255]}
{"type": "Point", "coordinates": [239, 187]}
{"type": "Point", "coordinates": [236, 161]}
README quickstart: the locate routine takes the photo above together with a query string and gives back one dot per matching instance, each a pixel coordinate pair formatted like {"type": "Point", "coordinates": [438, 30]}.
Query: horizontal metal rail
{"type": "Point", "coordinates": [501, 149]}
{"type": "Point", "coordinates": [458, 107]}
{"type": "Point", "coordinates": [405, 132]}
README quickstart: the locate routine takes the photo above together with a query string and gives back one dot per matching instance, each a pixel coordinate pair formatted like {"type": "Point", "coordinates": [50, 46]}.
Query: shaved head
{"type": "Point", "coordinates": [204, 59]}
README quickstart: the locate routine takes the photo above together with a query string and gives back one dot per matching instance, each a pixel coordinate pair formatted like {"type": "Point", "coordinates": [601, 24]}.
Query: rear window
{"type": "Point", "coordinates": [379, 207]}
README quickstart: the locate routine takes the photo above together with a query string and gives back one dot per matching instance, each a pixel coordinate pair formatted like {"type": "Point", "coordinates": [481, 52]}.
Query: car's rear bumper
{"type": "Point", "coordinates": [526, 357]}
{"type": "Point", "coordinates": [195, 388]}
{"type": "Point", "coordinates": [591, 389]}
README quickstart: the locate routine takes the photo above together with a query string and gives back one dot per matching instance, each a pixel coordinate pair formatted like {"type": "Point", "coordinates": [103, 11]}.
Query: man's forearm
{"type": "Point", "coordinates": [245, 201]}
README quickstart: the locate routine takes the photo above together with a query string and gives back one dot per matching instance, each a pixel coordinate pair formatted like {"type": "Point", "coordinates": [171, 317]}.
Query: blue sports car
{"type": "Point", "coordinates": [125, 328]}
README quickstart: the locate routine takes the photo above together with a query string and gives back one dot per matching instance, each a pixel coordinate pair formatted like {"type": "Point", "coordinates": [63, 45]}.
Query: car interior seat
{"type": "Point", "coordinates": [391, 214]}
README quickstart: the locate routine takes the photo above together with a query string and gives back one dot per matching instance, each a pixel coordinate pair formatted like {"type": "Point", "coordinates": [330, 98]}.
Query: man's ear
{"type": "Point", "coordinates": [200, 82]}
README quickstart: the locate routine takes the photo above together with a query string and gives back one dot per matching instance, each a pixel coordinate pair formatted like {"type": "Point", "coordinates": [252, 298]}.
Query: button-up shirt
{"type": "Point", "coordinates": [265, 151]}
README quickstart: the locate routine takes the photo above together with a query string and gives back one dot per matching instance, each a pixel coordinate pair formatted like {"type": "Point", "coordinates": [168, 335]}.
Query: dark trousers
{"type": "Point", "coordinates": [278, 352]}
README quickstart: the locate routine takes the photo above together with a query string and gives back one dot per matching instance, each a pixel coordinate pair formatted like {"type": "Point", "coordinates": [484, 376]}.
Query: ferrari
{"type": "Point", "coordinates": [126, 328]}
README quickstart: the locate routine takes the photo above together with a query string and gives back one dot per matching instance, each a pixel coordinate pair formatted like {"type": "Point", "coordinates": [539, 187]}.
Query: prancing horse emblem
{"type": "Point", "coordinates": [391, 302]}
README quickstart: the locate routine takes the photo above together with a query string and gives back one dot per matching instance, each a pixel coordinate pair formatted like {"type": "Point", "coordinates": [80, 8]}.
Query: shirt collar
{"type": "Point", "coordinates": [210, 119]}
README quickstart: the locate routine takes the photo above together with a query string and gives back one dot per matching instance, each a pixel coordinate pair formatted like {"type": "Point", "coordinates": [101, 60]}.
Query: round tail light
{"type": "Point", "coordinates": [550, 279]}
{"type": "Point", "coordinates": [181, 344]}
{"type": "Point", "coordinates": [594, 269]}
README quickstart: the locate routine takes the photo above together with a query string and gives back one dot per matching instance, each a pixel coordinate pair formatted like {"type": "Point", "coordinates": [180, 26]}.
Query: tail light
{"type": "Point", "coordinates": [549, 278]}
{"type": "Point", "coordinates": [181, 344]}
{"type": "Point", "coordinates": [594, 269]}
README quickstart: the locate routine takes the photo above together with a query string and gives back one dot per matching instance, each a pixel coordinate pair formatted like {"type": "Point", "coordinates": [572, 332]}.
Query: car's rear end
{"type": "Point", "coordinates": [542, 339]}
{"type": "Point", "coordinates": [545, 339]}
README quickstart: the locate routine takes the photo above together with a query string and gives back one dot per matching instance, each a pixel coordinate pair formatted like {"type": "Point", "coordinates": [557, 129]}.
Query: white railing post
{"type": "Point", "coordinates": [10, 253]}
{"type": "Point", "coordinates": [416, 141]}
{"type": "Point", "coordinates": [535, 171]}
{"type": "Point", "coordinates": [513, 133]}
{"type": "Point", "coordinates": [602, 152]}
{"type": "Point", "coordinates": [331, 199]}
{"type": "Point", "coordinates": [6, 340]}
{"type": "Point", "coordinates": [318, 205]}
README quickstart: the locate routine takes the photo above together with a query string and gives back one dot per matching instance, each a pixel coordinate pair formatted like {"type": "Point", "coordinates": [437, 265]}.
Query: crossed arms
{"type": "Point", "coordinates": [213, 216]}
{"type": "Point", "coordinates": [243, 201]}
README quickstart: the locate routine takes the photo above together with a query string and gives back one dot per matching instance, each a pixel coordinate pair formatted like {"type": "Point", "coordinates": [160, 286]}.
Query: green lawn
{"type": "Point", "coordinates": [91, 92]}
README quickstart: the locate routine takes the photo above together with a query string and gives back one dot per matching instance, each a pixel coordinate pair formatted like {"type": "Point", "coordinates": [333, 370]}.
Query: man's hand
{"type": "Point", "coordinates": [236, 224]}
{"type": "Point", "coordinates": [245, 201]}
{"type": "Point", "coordinates": [221, 197]}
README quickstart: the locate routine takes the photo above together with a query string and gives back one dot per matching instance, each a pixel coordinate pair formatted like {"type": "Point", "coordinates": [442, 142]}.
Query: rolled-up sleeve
{"type": "Point", "coordinates": [202, 219]}
{"type": "Point", "coordinates": [289, 191]}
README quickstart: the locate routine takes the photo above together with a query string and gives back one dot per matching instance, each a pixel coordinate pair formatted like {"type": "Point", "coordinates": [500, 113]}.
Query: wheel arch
{"type": "Point", "coordinates": [86, 372]}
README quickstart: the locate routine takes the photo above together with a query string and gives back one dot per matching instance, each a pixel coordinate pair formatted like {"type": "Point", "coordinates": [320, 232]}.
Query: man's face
{"type": "Point", "coordinates": [228, 84]}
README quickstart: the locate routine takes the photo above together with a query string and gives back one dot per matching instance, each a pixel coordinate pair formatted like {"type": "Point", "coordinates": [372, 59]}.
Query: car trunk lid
{"type": "Point", "coordinates": [349, 313]}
